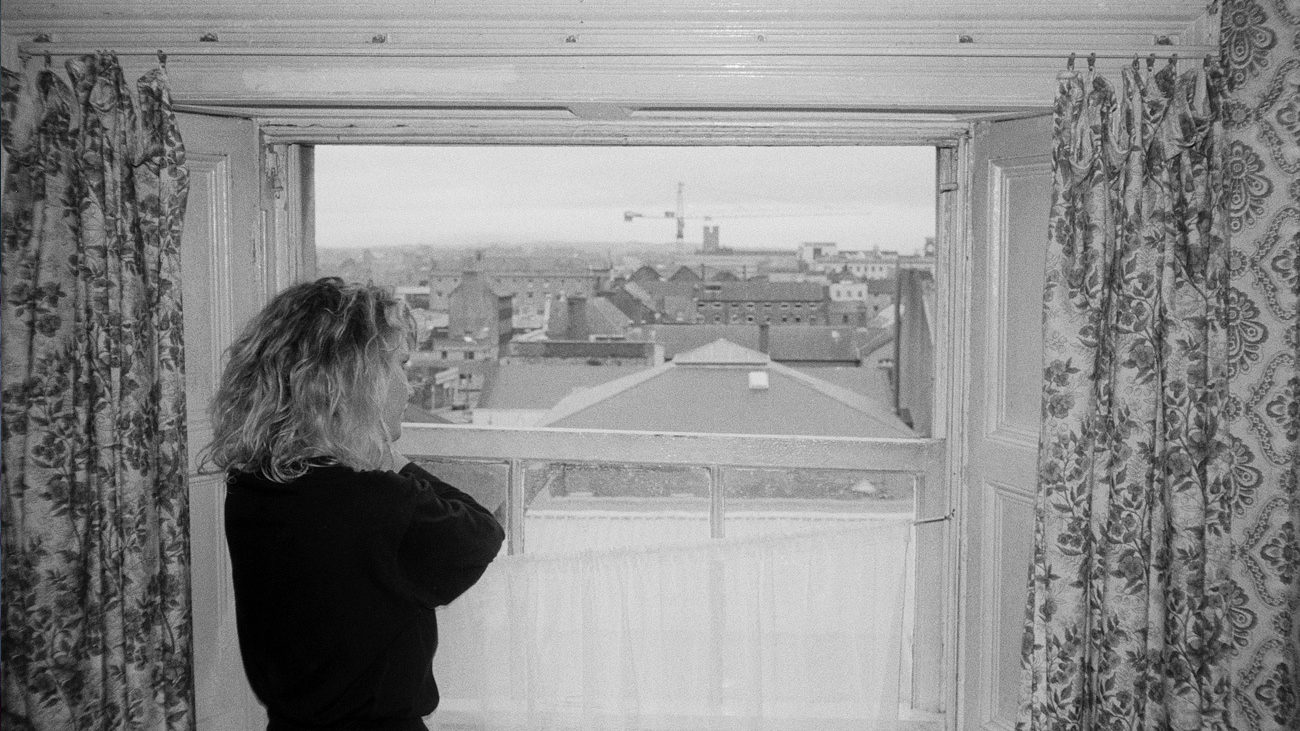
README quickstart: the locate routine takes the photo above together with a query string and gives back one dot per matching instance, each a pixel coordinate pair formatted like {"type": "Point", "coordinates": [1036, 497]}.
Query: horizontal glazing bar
{"type": "Point", "coordinates": [668, 448]}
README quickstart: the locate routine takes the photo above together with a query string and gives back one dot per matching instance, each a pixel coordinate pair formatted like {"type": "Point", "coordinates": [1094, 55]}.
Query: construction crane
{"type": "Point", "coordinates": [680, 214]}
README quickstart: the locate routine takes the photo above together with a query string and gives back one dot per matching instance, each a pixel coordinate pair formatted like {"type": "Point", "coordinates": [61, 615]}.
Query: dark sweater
{"type": "Point", "coordinates": [336, 576]}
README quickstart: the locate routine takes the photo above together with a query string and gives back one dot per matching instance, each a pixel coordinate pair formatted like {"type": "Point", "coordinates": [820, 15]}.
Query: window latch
{"type": "Point", "coordinates": [937, 519]}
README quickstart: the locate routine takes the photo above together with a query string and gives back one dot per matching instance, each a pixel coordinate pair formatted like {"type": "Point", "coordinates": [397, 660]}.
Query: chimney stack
{"type": "Point", "coordinates": [577, 326]}
{"type": "Point", "coordinates": [764, 338]}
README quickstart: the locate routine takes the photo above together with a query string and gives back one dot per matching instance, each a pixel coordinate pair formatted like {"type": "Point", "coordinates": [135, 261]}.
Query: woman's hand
{"type": "Point", "coordinates": [395, 460]}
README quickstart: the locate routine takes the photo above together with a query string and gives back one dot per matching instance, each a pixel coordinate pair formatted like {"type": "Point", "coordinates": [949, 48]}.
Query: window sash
{"type": "Point", "coordinates": [515, 446]}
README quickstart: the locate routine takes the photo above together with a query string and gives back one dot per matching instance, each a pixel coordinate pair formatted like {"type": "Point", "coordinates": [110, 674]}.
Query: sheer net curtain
{"type": "Point", "coordinates": [790, 631]}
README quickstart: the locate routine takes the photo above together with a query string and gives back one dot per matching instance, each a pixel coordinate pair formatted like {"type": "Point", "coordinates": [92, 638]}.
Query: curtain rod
{"type": "Point", "coordinates": [379, 50]}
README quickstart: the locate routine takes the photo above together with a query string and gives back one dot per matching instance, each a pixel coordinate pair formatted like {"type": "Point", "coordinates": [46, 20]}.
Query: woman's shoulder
{"type": "Point", "coordinates": [325, 476]}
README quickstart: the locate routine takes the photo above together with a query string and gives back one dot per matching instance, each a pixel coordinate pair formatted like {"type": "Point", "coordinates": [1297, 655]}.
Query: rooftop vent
{"type": "Point", "coordinates": [758, 380]}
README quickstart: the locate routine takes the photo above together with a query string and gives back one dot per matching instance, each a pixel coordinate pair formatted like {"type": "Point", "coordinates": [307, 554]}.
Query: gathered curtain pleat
{"type": "Point", "coordinates": [1126, 623]}
{"type": "Point", "coordinates": [96, 617]}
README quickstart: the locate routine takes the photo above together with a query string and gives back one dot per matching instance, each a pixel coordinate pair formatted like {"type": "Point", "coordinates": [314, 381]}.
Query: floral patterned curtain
{"type": "Point", "coordinates": [1127, 616]}
{"type": "Point", "coordinates": [96, 617]}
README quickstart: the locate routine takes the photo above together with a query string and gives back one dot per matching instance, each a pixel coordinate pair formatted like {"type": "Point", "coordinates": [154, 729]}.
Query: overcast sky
{"type": "Point", "coordinates": [761, 197]}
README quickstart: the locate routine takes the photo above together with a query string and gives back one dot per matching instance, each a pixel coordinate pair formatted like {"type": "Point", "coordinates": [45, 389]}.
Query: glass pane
{"type": "Point", "coordinates": [576, 508]}
{"type": "Point", "coordinates": [769, 501]}
{"type": "Point", "coordinates": [543, 280]}
{"type": "Point", "coordinates": [486, 482]}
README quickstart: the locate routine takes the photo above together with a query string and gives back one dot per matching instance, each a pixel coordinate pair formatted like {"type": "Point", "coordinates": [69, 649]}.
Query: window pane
{"type": "Point", "coordinates": [766, 501]}
{"type": "Point", "coordinates": [606, 259]}
{"type": "Point", "coordinates": [597, 507]}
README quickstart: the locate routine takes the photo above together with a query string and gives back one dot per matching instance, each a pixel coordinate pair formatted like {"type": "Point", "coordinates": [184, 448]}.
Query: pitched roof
{"type": "Point", "coordinates": [716, 396]}
{"type": "Point", "coordinates": [646, 273]}
{"type": "Point", "coordinates": [722, 352]}
{"type": "Point", "coordinates": [604, 317]}
{"type": "Point", "coordinates": [684, 274]}
{"type": "Point", "coordinates": [543, 385]}
{"type": "Point", "coordinates": [598, 316]}
{"type": "Point", "coordinates": [640, 294]}
{"type": "Point", "coordinates": [872, 383]}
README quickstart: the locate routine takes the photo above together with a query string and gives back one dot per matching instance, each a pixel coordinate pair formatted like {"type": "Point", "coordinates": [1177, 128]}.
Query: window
{"type": "Point", "coordinates": [588, 491]}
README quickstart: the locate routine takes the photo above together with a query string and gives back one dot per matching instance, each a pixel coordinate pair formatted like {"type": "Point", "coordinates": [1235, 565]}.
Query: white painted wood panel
{"type": "Point", "coordinates": [1008, 208]}
{"type": "Point", "coordinates": [1018, 210]}
{"type": "Point", "coordinates": [1008, 517]}
{"type": "Point", "coordinates": [888, 55]}
{"type": "Point", "coordinates": [217, 271]}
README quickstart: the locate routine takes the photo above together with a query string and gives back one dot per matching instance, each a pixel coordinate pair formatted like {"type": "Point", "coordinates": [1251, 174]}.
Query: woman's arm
{"type": "Point", "coordinates": [450, 540]}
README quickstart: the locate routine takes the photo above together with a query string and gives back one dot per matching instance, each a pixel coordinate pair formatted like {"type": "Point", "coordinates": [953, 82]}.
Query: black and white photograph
{"type": "Point", "coordinates": [682, 365]}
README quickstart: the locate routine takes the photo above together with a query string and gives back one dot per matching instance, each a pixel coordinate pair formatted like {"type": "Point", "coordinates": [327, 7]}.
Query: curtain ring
{"type": "Point", "coordinates": [1069, 62]}
{"type": "Point", "coordinates": [1173, 61]}
{"type": "Point", "coordinates": [47, 59]}
{"type": "Point", "coordinates": [162, 59]}
{"type": "Point", "coordinates": [1135, 63]}
{"type": "Point", "coordinates": [1151, 62]}
{"type": "Point", "coordinates": [1092, 61]}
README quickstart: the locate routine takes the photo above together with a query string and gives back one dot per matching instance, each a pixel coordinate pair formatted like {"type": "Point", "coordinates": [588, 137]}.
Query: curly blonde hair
{"type": "Point", "coordinates": [304, 382]}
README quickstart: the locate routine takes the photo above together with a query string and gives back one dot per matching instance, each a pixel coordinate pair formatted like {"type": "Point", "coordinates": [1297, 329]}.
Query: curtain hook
{"type": "Point", "coordinates": [1069, 62]}
{"type": "Point", "coordinates": [1092, 61]}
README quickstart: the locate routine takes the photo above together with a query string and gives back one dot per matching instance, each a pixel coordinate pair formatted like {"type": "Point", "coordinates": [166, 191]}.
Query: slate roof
{"type": "Point", "coordinates": [684, 274]}
{"type": "Point", "coordinates": [646, 273]}
{"type": "Point", "coordinates": [602, 318]}
{"type": "Point", "coordinates": [543, 385]}
{"type": "Point", "coordinates": [640, 294]}
{"type": "Point", "coordinates": [872, 383]}
{"type": "Point", "coordinates": [716, 397]}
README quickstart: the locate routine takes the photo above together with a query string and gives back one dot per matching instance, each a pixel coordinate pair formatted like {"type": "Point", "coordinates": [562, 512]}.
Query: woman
{"type": "Point", "coordinates": [340, 547]}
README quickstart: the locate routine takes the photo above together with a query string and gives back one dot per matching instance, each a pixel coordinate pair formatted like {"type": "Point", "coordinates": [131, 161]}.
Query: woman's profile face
{"type": "Point", "coordinates": [399, 392]}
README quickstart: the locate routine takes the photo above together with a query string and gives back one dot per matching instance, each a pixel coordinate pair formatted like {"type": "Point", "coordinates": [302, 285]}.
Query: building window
{"type": "Point", "coordinates": [469, 355]}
